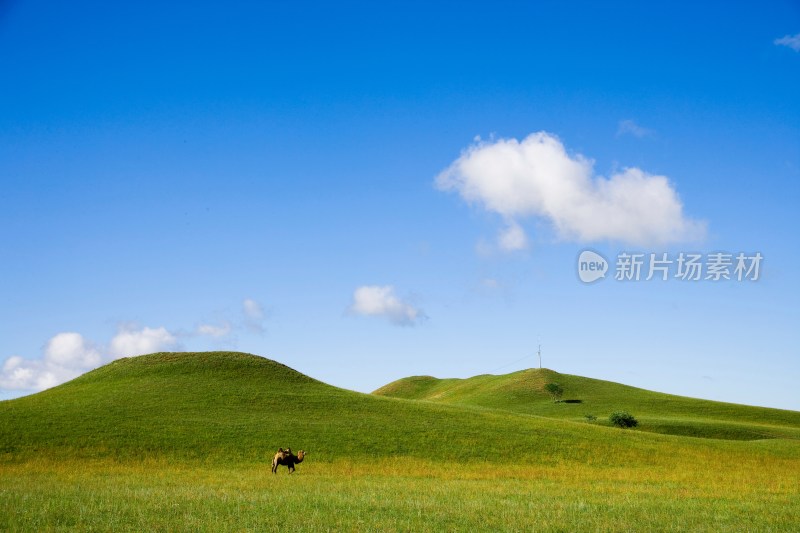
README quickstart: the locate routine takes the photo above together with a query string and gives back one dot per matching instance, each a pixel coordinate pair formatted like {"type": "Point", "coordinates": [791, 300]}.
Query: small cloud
{"type": "Point", "coordinates": [632, 128]}
{"type": "Point", "coordinates": [216, 331]}
{"type": "Point", "coordinates": [490, 283]}
{"type": "Point", "coordinates": [253, 315]}
{"type": "Point", "coordinates": [380, 301]}
{"type": "Point", "coordinates": [791, 41]}
{"type": "Point", "coordinates": [484, 248]}
{"type": "Point", "coordinates": [131, 341]}
{"type": "Point", "coordinates": [252, 309]}
{"type": "Point", "coordinates": [509, 239]}
{"type": "Point", "coordinates": [512, 238]}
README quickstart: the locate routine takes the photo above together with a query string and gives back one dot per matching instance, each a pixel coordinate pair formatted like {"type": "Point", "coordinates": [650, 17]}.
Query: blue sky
{"type": "Point", "coordinates": [269, 178]}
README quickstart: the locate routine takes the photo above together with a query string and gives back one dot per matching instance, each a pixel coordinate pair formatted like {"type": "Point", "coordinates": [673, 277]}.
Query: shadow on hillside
{"type": "Point", "coordinates": [571, 401]}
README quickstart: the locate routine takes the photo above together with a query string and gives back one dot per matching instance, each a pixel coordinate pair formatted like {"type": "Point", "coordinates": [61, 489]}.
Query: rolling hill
{"type": "Point", "coordinates": [234, 407]}
{"type": "Point", "coordinates": [523, 392]}
{"type": "Point", "coordinates": [224, 406]}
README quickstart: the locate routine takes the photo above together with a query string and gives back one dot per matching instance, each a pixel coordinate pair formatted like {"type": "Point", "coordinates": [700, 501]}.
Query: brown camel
{"type": "Point", "coordinates": [286, 457]}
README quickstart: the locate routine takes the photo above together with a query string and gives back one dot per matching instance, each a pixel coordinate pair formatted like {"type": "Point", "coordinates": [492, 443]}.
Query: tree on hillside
{"type": "Point", "coordinates": [623, 419]}
{"type": "Point", "coordinates": [555, 390]}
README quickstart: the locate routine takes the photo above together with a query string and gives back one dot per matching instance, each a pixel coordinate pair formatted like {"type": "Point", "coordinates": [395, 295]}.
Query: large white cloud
{"type": "Point", "coordinates": [381, 301]}
{"type": "Point", "coordinates": [138, 341]}
{"type": "Point", "coordinates": [26, 374]}
{"type": "Point", "coordinates": [72, 350]}
{"type": "Point", "coordinates": [537, 177]}
{"type": "Point", "coordinates": [66, 356]}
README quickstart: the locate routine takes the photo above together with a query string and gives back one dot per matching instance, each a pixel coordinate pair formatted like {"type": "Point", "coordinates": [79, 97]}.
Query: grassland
{"type": "Point", "coordinates": [183, 441]}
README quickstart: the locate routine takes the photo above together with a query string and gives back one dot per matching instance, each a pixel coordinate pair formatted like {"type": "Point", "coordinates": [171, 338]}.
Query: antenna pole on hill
{"type": "Point", "coordinates": [539, 353]}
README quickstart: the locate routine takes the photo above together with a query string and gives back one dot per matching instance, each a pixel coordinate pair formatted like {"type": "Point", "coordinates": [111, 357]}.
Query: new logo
{"type": "Point", "coordinates": [591, 266]}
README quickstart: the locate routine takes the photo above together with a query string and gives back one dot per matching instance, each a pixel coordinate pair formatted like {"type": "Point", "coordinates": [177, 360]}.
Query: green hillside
{"type": "Point", "coordinates": [225, 406]}
{"type": "Point", "coordinates": [524, 392]}
{"type": "Point", "coordinates": [221, 406]}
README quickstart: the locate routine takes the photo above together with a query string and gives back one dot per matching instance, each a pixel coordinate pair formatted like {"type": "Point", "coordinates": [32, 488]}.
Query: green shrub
{"type": "Point", "coordinates": [623, 419]}
{"type": "Point", "coordinates": [591, 418]}
{"type": "Point", "coordinates": [555, 390]}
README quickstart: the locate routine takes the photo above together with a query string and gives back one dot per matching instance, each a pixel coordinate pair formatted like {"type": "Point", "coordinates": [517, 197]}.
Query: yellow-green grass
{"type": "Point", "coordinates": [524, 392]}
{"type": "Point", "coordinates": [706, 494]}
{"type": "Point", "coordinates": [183, 442]}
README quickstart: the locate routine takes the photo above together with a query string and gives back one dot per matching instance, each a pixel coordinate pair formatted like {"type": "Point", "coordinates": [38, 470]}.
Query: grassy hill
{"type": "Point", "coordinates": [523, 392]}
{"type": "Point", "coordinates": [222, 406]}
{"type": "Point", "coordinates": [227, 406]}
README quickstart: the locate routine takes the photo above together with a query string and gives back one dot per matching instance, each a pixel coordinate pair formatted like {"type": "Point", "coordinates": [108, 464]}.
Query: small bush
{"type": "Point", "coordinates": [555, 390]}
{"type": "Point", "coordinates": [623, 419]}
{"type": "Point", "coordinates": [591, 418]}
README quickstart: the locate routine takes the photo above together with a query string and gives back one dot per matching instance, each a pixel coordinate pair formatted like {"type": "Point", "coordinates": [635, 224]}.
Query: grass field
{"type": "Point", "coordinates": [183, 442]}
{"type": "Point", "coordinates": [390, 496]}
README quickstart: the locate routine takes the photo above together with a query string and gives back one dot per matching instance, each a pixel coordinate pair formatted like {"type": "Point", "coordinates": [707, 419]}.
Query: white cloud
{"type": "Point", "coordinates": [24, 374]}
{"type": "Point", "coordinates": [71, 350]}
{"type": "Point", "coordinates": [211, 330]}
{"type": "Point", "coordinates": [512, 238]}
{"type": "Point", "coordinates": [253, 315]}
{"type": "Point", "coordinates": [66, 356]}
{"type": "Point", "coordinates": [630, 127]}
{"type": "Point", "coordinates": [537, 177]}
{"type": "Point", "coordinates": [252, 309]}
{"type": "Point", "coordinates": [380, 301]}
{"type": "Point", "coordinates": [130, 341]}
{"type": "Point", "coordinates": [792, 41]}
